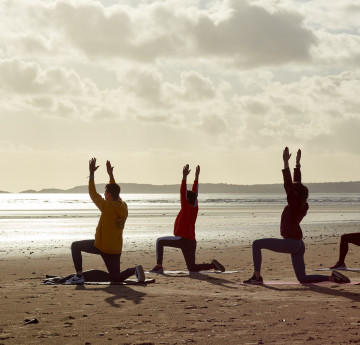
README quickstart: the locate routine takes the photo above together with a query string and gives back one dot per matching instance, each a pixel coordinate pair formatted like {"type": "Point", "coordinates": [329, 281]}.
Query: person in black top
{"type": "Point", "coordinates": [290, 230]}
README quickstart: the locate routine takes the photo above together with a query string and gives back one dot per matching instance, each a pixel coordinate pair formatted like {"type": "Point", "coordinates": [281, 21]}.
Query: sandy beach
{"type": "Point", "coordinates": [237, 100]}
{"type": "Point", "coordinates": [185, 309]}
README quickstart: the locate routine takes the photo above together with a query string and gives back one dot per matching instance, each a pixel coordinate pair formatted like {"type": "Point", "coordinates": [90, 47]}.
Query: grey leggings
{"type": "Point", "coordinates": [188, 248]}
{"type": "Point", "coordinates": [112, 261]}
{"type": "Point", "coordinates": [290, 246]}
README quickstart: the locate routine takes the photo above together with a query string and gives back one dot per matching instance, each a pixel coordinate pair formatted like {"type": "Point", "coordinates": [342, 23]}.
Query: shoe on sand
{"type": "Point", "coordinates": [254, 280]}
{"type": "Point", "coordinates": [340, 278]}
{"type": "Point", "coordinates": [338, 266]}
{"type": "Point", "coordinates": [139, 272]}
{"type": "Point", "coordinates": [218, 265]}
{"type": "Point", "coordinates": [75, 280]}
{"type": "Point", "coordinates": [157, 269]}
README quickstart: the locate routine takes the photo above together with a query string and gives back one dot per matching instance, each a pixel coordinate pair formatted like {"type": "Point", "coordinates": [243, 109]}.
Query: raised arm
{"type": "Point", "coordinates": [186, 172]}
{"type": "Point", "coordinates": [286, 157]}
{"type": "Point", "coordinates": [110, 169]}
{"type": "Point", "coordinates": [197, 173]}
{"type": "Point", "coordinates": [94, 195]}
{"type": "Point", "coordinates": [297, 171]}
{"type": "Point", "coordinates": [92, 167]}
{"type": "Point", "coordinates": [195, 187]}
{"type": "Point", "coordinates": [286, 171]}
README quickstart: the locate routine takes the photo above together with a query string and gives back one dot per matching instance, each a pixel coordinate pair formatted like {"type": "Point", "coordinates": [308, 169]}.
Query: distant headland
{"type": "Point", "coordinates": [135, 188]}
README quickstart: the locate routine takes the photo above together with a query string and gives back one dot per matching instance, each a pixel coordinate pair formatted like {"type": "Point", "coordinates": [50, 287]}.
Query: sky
{"type": "Point", "coordinates": [154, 85]}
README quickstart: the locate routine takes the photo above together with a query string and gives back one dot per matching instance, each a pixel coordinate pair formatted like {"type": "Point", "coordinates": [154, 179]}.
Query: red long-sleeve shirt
{"type": "Point", "coordinates": [185, 221]}
{"type": "Point", "coordinates": [293, 212]}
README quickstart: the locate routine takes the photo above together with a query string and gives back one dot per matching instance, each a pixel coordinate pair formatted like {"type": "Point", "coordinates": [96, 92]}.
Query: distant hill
{"type": "Point", "coordinates": [135, 188]}
{"type": "Point", "coordinates": [49, 190]}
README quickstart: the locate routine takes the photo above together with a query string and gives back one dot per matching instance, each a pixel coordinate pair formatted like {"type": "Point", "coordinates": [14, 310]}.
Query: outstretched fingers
{"type": "Point", "coordinates": [286, 154]}
{"type": "Point", "coordinates": [92, 165]}
{"type": "Point", "coordinates": [109, 168]}
{"type": "Point", "coordinates": [186, 170]}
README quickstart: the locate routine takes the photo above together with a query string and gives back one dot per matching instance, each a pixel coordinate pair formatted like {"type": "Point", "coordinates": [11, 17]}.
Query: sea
{"type": "Point", "coordinates": [34, 223]}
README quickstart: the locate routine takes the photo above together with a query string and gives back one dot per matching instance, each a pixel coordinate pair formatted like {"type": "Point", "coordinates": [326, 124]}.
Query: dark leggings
{"type": "Point", "coordinates": [289, 246]}
{"type": "Point", "coordinates": [188, 248]}
{"type": "Point", "coordinates": [112, 261]}
{"type": "Point", "coordinates": [353, 238]}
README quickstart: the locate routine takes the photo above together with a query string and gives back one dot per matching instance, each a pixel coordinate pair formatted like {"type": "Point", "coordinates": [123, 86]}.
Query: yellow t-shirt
{"type": "Point", "coordinates": [108, 236]}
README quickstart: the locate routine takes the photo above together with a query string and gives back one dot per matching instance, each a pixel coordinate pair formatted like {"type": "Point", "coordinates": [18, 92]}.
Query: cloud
{"type": "Point", "coordinates": [252, 36]}
{"type": "Point", "coordinates": [234, 34]}
{"type": "Point", "coordinates": [196, 87]}
{"type": "Point", "coordinates": [213, 124]}
{"type": "Point", "coordinates": [104, 113]}
{"type": "Point", "coordinates": [145, 84]}
{"type": "Point", "coordinates": [169, 59]}
{"type": "Point", "coordinates": [337, 16]}
{"type": "Point", "coordinates": [55, 92]}
{"type": "Point", "coordinates": [241, 34]}
{"type": "Point", "coordinates": [343, 136]}
{"type": "Point", "coordinates": [311, 110]}
{"type": "Point", "coordinates": [102, 31]}
{"type": "Point", "coordinates": [54, 107]}
{"type": "Point", "coordinates": [162, 119]}
{"type": "Point", "coordinates": [143, 94]}
{"type": "Point", "coordinates": [29, 78]}
{"type": "Point", "coordinates": [32, 43]}
{"type": "Point", "coordinates": [154, 99]}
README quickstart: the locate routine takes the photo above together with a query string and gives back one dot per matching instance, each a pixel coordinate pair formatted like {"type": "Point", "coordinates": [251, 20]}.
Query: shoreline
{"type": "Point", "coordinates": [226, 226]}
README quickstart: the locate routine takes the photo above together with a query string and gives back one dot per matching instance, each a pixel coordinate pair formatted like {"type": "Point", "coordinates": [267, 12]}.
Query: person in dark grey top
{"type": "Point", "coordinates": [290, 230]}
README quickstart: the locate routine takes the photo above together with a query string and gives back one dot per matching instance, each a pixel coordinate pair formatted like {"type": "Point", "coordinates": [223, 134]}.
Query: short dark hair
{"type": "Point", "coordinates": [191, 197]}
{"type": "Point", "coordinates": [302, 192]}
{"type": "Point", "coordinates": [113, 189]}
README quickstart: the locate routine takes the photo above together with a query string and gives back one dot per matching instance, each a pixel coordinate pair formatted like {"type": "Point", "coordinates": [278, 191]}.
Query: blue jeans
{"type": "Point", "coordinates": [290, 246]}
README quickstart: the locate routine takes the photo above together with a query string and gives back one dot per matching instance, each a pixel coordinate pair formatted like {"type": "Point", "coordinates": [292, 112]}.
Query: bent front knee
{"type": "Point", "coordinates": [344, 238]}
{"type": "Point", "coordinates": [74, 245]}
{"type": "Point", "coordinates": [256, 244]}
{"type": "Point", "coordinates": [159, 242]}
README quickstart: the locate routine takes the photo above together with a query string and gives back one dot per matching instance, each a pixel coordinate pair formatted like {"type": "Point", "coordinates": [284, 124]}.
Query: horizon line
{"type": "Point", "coordinates": [172, 185]}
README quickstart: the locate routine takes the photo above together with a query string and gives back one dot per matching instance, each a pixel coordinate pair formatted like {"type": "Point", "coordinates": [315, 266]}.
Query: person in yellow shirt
{"type": "Point", "coordinates": [108, 237]}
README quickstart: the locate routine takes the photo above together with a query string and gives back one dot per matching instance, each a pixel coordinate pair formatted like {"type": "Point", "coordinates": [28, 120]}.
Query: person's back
{"type": "Point", "coordinates": [292, 242]}
{"type": "Point", "coordinates": [184, 229]}
{"type": "Point", "coordinates": [297, 207]}
{"type": "Point", "coordinates": [108, 236]}
{"type": "Point", "coordinates": [185, 221]}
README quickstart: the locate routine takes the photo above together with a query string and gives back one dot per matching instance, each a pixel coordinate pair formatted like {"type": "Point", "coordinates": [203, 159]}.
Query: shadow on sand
{"type": "Point", "coordinates": [354, 296]}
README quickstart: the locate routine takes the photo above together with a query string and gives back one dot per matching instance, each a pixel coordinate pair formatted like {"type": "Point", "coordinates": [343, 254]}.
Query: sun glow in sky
{"type": "Point", "coordinates": [153, 85]}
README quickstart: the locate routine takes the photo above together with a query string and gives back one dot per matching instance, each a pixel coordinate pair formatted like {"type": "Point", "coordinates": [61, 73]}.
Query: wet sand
{"type": "Point", "coordinates": [190, 309]}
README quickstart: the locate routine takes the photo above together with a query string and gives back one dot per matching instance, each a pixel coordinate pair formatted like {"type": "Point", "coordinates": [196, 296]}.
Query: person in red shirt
{"type": "Point", "coordinates": [184, 229]}
{"type": "Point", "coordinates": [290, 230]}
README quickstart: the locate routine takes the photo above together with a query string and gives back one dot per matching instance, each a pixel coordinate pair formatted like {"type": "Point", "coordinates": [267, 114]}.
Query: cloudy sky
{"type": "Point", "coordinates": [152, 85]}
